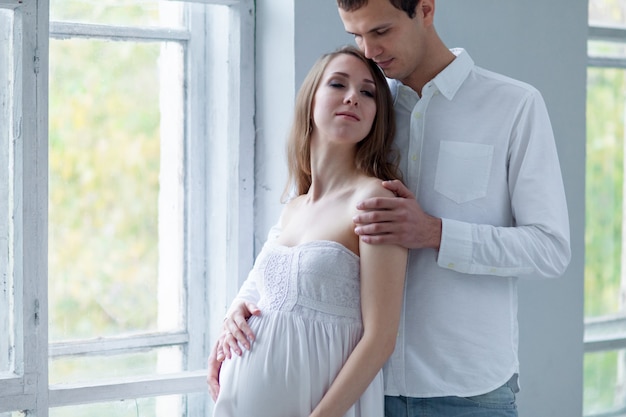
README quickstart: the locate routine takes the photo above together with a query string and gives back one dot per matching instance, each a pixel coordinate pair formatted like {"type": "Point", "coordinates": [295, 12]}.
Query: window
{"type": "Point", "coordinates": [7, 344]}
{"type": "Point", "coordinates": [605, 275]}
{"type": "Point", "coordinates": [126, 153]}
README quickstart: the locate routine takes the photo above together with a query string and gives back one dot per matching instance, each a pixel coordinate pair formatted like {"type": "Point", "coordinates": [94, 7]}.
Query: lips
{"type": "Point", "coordinates": [349, 115]}
{"type": "Point", "coordinates": [384, 64]}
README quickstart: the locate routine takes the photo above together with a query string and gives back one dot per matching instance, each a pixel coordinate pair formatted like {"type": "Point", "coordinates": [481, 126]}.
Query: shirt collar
{"type": "Point", "coordinates": [452, 77]}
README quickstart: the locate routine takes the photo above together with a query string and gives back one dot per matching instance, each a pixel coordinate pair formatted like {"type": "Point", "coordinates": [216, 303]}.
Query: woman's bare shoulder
{"type": "Point", "coordinates": [371, 187]}
{"type": "Point", "coordinates": [290, 206]}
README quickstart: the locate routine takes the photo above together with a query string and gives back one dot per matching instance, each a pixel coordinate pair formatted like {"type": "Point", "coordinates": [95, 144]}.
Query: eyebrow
{"type": "Point", "coordinates": [343, 74]}
{"type": "Point", "coordinates": [384, 26]}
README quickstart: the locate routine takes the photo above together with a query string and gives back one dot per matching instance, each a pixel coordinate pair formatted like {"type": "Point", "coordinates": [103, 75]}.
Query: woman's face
{"type": "Point", "coordinates": [344, 105]}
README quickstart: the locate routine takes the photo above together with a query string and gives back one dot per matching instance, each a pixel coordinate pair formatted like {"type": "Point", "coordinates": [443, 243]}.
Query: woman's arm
{"type": "Point", "coordinates": [383, 270]}
{"type": "Point", "coordinates": [235, 329]}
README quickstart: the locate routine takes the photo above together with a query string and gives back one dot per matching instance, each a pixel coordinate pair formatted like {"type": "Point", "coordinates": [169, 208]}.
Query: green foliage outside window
{"type": "Point", "coordinates": [104, 171]}
{"type": "Point", "coordinates": [603, 229]}
{"type": "Point", "coordinates": [604, 184]}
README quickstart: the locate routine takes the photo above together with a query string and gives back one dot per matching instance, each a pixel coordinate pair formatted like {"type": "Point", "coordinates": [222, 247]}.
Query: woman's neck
{"type": "Point", "coordinates": [332, 172]}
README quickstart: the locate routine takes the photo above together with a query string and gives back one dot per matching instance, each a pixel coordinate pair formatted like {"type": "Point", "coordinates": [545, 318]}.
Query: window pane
{"type": "Point", "coordinates": [166, 406]}
{"type": "Point", "coordinates": [92, 368]}
{"type": "Point", "coordinates": [604, 191]}
{"type": "Point", "coordinates": [119, 13]}
{"type": "Point", "coordinates": [607, 12]}
{"type": "Point", "coordinates": [604, 388]}
{"type": "Point", "coordinates": [116, 186]}
{"type": "Point", "coordinates": [602, 49]}
{"type": "Point", "coordinates": [7, 292]}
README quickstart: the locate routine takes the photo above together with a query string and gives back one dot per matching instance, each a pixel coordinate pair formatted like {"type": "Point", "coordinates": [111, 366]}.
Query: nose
{"type": "Point", "coordinates": [351, 98]}
{"type": "Point", "coordinates": [369, 48]}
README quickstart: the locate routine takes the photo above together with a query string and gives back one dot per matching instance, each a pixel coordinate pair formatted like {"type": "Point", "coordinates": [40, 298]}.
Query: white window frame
{"type": "Point", "coordinates": [607, 333]}
{"type": "Point", "coordinates": [218, 198]}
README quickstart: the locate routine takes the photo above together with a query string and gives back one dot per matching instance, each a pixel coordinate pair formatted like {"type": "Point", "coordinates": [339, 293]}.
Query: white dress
{"type": "Point", "coordinates": [310, 322]}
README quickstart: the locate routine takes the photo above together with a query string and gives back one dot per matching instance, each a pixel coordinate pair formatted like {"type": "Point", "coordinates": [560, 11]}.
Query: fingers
{"type": "Point", "coordinates": [380, 211]}
{"type": "Point", "coordinates": [387, 239]}
{"type": "Point", "coordinates": [213, 372]}
{"type": "Point", "coordinates": [230, 345]}
{"type": "Point", "coordinates": [377, 203]}
{"type": "Point", "coordinates": [214, 390]}
{"type": "Point", "coordinates": [218, 353]}
{"type": "Point", "coordinates": [214, 385]}
{"type": "Point", "coordinates": [379, 234]}
{"type": "Point", "coordinates": [398, 188]}
{"type": "Point", "coordinates": [237, 331]}
{"type": "Point", "coordinates": [387, 203]}
{"type": "Point", "coordinates": [253, 309]}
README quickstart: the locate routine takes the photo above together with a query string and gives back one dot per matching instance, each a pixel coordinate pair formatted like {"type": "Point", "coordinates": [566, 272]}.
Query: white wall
{"type": "Point", "coordinates": [537, 41]}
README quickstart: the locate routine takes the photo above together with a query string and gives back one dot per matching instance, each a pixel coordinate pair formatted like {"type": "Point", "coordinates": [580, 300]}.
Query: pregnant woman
{"type": "Point", "coordinates": [329, 304]}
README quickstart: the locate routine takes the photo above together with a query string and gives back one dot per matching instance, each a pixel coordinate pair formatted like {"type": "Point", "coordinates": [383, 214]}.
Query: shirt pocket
{"type": "Point", "coordinates": [463, 170]}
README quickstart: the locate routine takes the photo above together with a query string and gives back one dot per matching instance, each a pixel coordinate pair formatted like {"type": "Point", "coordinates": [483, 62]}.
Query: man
{"type": "Point", "coordinates": [483, 205]}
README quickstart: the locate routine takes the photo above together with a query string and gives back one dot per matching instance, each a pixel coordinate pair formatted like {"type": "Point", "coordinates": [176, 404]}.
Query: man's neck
{"type": "Point", "coordinates": [434, 64]}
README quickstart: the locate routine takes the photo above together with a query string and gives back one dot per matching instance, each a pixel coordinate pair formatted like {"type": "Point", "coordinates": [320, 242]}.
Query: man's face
{"type": "Point", "coordinates": [388, 36]}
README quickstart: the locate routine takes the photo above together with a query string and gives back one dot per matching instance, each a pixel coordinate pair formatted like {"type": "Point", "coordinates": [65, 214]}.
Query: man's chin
{"type": "Point", "coordinates": [389, 73]}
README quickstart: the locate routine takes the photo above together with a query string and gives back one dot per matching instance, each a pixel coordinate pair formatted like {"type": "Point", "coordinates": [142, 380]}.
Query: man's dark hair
{"type": "Point", "coordinates": [407, 5]}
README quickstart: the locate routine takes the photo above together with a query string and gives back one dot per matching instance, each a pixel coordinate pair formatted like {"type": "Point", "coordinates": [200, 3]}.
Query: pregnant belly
{"type": "Point", "coordinates": [289, 368]}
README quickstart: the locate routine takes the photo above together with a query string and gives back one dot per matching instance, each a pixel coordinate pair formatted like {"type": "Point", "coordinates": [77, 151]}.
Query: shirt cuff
{"type": "Point", "coordinates": [455, 251]}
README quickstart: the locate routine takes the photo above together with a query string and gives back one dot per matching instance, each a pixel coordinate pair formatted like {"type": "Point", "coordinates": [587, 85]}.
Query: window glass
{"type": "Point", "coordinates": [116, 185]}
{"type": "Point", "coordinates": [89, 368]}
{"type": "Point", "coordinates": [7, 327]}
{"type": "Point", "coordinates": [166, 406]}
{"type": "Point", "coordinates": [601, 49]}
{"type": "Point", "coordinates": [120, 13]}
{"type": "Point", "coordinates": [604, 195]}
{"type": "Point", "coordinates": [607, 12]}
{"type": "Point", "coordinates": [605, 279]}
{"type": "Point", "coordinates": [604, 382]}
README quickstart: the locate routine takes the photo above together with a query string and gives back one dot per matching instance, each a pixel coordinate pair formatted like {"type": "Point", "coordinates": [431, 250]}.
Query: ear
{"type": "Point", "coordinates": [426, 10]}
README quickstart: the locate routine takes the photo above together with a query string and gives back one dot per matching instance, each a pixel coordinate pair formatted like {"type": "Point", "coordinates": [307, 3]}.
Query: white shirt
{"type": "Point", "coordinates": [477, 151]}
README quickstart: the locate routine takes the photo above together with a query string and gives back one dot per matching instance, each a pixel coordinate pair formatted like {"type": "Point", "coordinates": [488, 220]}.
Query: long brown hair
{"type": "Point", "coordinates": [375, 155]}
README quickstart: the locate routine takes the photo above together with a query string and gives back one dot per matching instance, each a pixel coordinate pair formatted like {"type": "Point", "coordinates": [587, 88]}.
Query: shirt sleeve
{"type": "Point", "coordinates": [538, 242]}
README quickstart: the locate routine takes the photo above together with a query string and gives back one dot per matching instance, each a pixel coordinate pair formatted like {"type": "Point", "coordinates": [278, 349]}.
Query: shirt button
{"type": "Point", "coordinates": [417, 115]}
{"type": "Point", "coordinates": [414, 158]}
{"type": "Point", "coordinates": [451, 265]}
